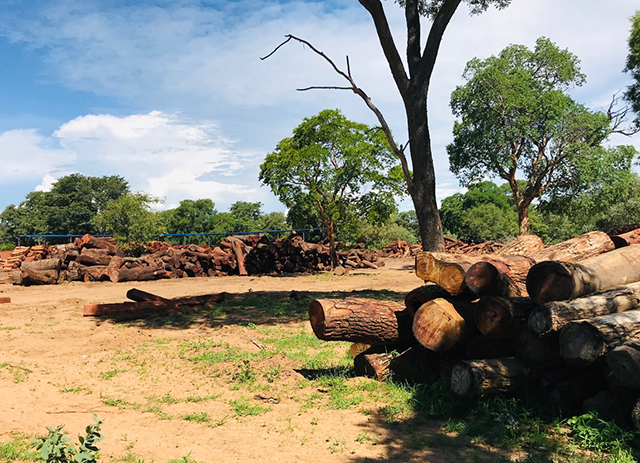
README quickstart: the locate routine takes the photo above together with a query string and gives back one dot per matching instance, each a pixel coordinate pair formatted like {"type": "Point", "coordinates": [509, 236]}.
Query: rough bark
{"type": "Point", "coordinates": [584, 342]}
{"type": "Point", "coordinates": [39, 265]}
{"type": "Point", "coordinates": [445, 270]}
{"type": "Point", "coordinates": [492, 376]}
{"type": "Point", "coordinates": [552, 316]}
{"type": "Point", "coordinates": [439, 325]}
{"type": "Point", "coordinates": [579, 248]}
{"type": "Point", "coordinates": [367, 321]}
{"type": "Point", "coordinates": [499, 317]}
{"type": "Point", "coordinates": [91, 256]}
{"type": "Point", "coordinates": [88, 241]}
{"type": "Point", "coordinates": [410, 364]}
{"type": "Point", "coordinates": [39, 277]}
{"type": "Point", "coordinates": [557, 281]}
{"type": "Point", "coordinates": [238, 249]}
{"type": "Point", "coordinates": [499, 275]}
{"type": "Point", "coordinates": [523, 245]}
{"type": "Point", "coordinates": [624, 363]}
{"type": "Point", "coordinates": [137, 274]}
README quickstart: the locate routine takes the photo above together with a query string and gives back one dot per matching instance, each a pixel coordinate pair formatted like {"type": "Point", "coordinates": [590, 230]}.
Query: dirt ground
{"type": "Point", "coordinates": [58, 367]}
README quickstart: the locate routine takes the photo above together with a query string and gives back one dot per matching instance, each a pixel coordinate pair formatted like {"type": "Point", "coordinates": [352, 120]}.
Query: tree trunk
{"type": "Point", "coordinates": [39, 277]}
{"type": "Point", "coordinates": [367, 321]}
{"type": "Point", "coordinates": [476, 377]}
{"type": "Point", "coordinates": [39, 265]}
{"type": "Point", "coordinates": [498, 317]}
{"type": "Point", "coordinates": [557, 281]}
{"type": "Point", "coordinates": [624, 362]}
{"type": "Point", "coordinates": [579, 248]}
{"type": "Point", "coordinates": [445, 270]}
{"type": "Point", "coordinates": [92, 256]}
{"type": "Point", "coordinates": [552, 316]}
{"type": "Point", "coordinates": [523, 218]}
{"type": "Point", "coordinates": [439, 325]}
{"type": "Point", "coordinates": [583, 342]}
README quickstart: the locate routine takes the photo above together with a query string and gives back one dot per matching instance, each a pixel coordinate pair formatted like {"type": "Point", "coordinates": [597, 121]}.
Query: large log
{"type": "Point", "coordinates": [585, 341]}
{"type": "Point", "coordinates": [368, 321]}
{"type": "Point", "coordinates": [143, 308]}
{"type": "Point", "coordinates": [499, 317]}
{"type": "Point", "coordinates": [581, 247]}
{"type": "Point", "coordinates": [411, 364]}
{"type": "Point", "coordinates": [626, 239]}
{"type": "Point", "coordinates": [139, 295]}
{"type": "Point", "coordinates": [445, 270]}
{"type": "Point", "coordinates": [94, 242]}
{"type": "Point", "coordinates": [238, 248]}
{"type": "Point", "coordinates": [624, 363]}
{"type": "Point", "coordinates": [42, 277]}
{"type": "Point", "coordinates": [91, 256]}
{"type": "Point", "coordinates": [39, 265]}
{"type": "Point", "coordinates": [523, 245]}
{"type": "Point", "coordinates": [552, 316]}
{"type": "Point", "coordinates": [440, 324]}
{"type": "Point", "coordinates": [558, 281]}
{"type": "Point", "coordinates": [477, 377]}
{"type": "Point", "coordinates": [537, 352]}
{"type": "Point", "coordinates": [137, 274]}
{"type": "Point", "coordinates": [415, 298]}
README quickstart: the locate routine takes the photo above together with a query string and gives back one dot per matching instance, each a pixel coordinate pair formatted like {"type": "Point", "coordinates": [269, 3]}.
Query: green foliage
{"type": "Point", "coordinates": [68, 208]}
{"type": "Point", "coordinates": [632, 95]}
{"type": "Point", "coordinates": [341, 170]}
{"type": "Point", "coordinates": [593, 433]}
{"type": "Point", "coordinates": [56, 448]}
{"type": "Point", "coordinates": [130, 219]}
{"type": "Point", "coordinates": [515, 118]}
{"type": "Point", "coordinates": [18, 449]}
{"type": "Point", "coordinates": [191, 216]}
{"type": "Point", "coordinates": [376, 236]}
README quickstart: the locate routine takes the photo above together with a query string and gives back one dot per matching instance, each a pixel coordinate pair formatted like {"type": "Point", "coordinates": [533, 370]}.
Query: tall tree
{"type": "Point", "coordinates": [343, 168]}
{"type": "Point", "coordinates": [632, 94]}
{"type": "Point", "coordinates": [130, 219]}
{"type": "Point", "coordinates": [516, 119]}
{"type": "Point", "coordinates": [414, 88]}
{"type": "Point", "coordinates": [192, 216]}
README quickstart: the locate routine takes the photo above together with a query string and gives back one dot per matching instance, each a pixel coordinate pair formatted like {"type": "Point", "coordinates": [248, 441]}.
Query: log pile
{"type": "Point", "coordinates": [564, 319]}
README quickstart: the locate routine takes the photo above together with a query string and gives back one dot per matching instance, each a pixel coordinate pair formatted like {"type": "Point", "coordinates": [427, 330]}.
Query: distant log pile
{"type": "Point", "coordinates": [565, 319]}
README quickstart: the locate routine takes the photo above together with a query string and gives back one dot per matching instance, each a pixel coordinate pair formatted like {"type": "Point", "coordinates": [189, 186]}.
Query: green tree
{"type": "Point", "coordinates": [345, 169]}
{"type": "Point", "coordinates": [515, 117]}
{"type": "Point", "coordinates": [192, 216]}
{"type": "Point", "coordinates": [245, 216]}
{"type": "Point", "coordinates": [632, 95]}
{"type": "Point", "coordinates": [130, 219]}
{"type": "Point", "coordinates": [413, 83]}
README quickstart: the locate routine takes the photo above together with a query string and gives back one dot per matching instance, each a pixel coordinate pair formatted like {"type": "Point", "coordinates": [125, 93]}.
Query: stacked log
{"type": "Point", "coordinates": [574, 335]}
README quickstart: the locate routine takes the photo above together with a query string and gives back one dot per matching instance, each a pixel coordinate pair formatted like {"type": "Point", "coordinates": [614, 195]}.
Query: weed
{"type": "Point", "coordinates": [361, 438]}
{"type": "Point", "coordinates": [202, 417]}
{"type": "Point", "coordinates": [246, 374]}
{"type": "Point", "coordinates": [337, 445]}
{"type": "Point", "coordinates": [56, 448]}
{"type": "Point", "coordinates": [272, 374]}
{"type": "Point", "coordinates": [591, 432]}
{"type": "Point", "coordinates": [75, 390]}
{"type": "Point", "coordinates": [110, 374]}
{"type": "Point", "coordinates": [122, 404]}
{"type": "Point", "coordinates": [186, 459]}
{"type": "Point", "coordinates": [242, 407]}
{"type": "Point", "coordinates": [20, 448]}
{"type": "Point", "coordinates": [202, 398]}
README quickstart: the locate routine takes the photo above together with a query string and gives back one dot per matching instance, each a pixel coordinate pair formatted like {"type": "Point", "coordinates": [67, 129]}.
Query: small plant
{"type": "Point", "coordinates": [56, 448]}
{"type": "Point", "coordinates": [202, 417]}
{"type": "Point", "coordinates": [242, 407]}
{"type": "Point", "coordinates": [246, 374]}
{"type": "Point", "coordinates": [593, 433]}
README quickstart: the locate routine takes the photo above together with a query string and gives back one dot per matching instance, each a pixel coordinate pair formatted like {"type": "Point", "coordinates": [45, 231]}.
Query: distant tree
{"type": "Point", "coordinates": [192, 216]}
{"type": "Point", "coordinates": [345, 169]}
{"type": "Point", "coordinates": [632, 95]}
{"type": "Point", "coordinates": [245, 216]}
{"type": "Point", "coordinates": [409, 221]}
{"type": "Point", "coordinates": [130, 219]}
{"type": "Point", "coordinates": [515, 118]}
{"type": "Point", "coordinates": [274, 221]}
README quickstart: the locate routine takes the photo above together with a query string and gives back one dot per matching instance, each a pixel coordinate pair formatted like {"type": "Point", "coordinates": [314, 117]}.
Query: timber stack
{"type": "Point", "coordinates": [563, 319]}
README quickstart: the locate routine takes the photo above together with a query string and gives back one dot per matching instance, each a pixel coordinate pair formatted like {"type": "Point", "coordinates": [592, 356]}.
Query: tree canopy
{"type": "Point", "coordinates": [517, 119]}
{"type": "Point", "coordinates": [343, 169]}
{"type": "Point", "coordinates": [632, 94]}
{"type": "Point", "coordinates": [130, 219]}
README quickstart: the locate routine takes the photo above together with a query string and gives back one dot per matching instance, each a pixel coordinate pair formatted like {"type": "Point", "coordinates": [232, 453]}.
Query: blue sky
{"type": "Point", "coordinates": [172, 95]}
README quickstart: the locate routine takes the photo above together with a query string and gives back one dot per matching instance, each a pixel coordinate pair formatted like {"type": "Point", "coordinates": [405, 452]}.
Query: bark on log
{"type": "Point", "coordinates": [557, 281]}
{"type": "Point", "coordinates": [138, 295]}
{"type": "Point", "coordinates": [553, 316]}
{"type": "Point", "coordinates": [360, 320]}
{"type": "Point", "coordinates": [523, 245]}
{"type": "Point", "coordinates": [137, 274]}
{"type": "Point", "coordinates": [537, 352]}
{"type": "Point", "coordinates": [499, 317]}
{"type": "Point", "coordinates": [445, 270]}
{"type": "Point", "coordinates": [88, 241]}
{"type": "Point", "coordinates": [411, 364]}
{"type": "Point", "coordinates": [91, 256]}
{"type": "Point", "coordinates": [579, 248]}
{"type": "Point", "coordinates": [477, 377]}
{"type": "Point", "coordinates": [439, 324]}
{"type": "Point", "coordinates": [499, 275]}
{"type": "Point", "coordinates": [42, 277]}
{"type": "Point", "coordinates": [143, 308]}
{"type": "Point", "coordinates": [39, 265]}
{"type": "Point", "coordinates": [585, 341]}
{"type": "Point", "coordinates": [95, 273]}
{"type": "Point", "coordinates": [238, 249]}
{"type": "Point", "coordinates": [624, 363]}
{"type": "Point", "coordinates": [626, 239]}
{"type": "Point", "coordinates": [415, 298]}
{"type": "Point", "coordinates": [5, 300]}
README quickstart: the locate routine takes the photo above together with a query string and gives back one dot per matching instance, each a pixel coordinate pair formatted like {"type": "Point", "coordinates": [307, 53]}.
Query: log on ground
{"type": "Point", "coordinates": [445, 270]}
{"type": "Point", "coordinates": [440, 324]}
{"type": "Point", "coordinates": [477, 377]}
{"type": "Point", "coordinates": [411, 364]}
{"type": "Point", "coordinates": [500, 317]}
{"type": "Point", "coordinates": [624, 363]}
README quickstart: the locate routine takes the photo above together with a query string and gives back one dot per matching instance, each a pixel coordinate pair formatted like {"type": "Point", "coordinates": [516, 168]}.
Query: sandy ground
{"type": "Point", "coordinates": [58, 367]}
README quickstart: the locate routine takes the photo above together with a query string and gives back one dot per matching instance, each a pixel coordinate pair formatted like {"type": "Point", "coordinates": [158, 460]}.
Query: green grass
{"type": "Point", "coordinates": [202, 417]}
{"type": "Point", "coordinates": [107, 375]}
{"type": "Point", "coordinates": [19, 448]}
{"type": "Point", "coordinates": [242, 407]}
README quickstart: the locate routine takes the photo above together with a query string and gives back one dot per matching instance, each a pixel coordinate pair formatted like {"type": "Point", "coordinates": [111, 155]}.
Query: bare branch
{"type": "Point", "coordinates": [618, 118]}
{"type": "Point", "coordinates": [317, 87]}
{"type": "Point", "coordinates": [277, 48]}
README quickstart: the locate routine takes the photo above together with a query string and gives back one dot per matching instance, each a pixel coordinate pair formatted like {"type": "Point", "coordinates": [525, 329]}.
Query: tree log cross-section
{"type": "Point", "coordinates": [477, 377]}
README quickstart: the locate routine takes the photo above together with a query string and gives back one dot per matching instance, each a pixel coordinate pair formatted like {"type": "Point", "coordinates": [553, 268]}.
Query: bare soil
{"type": "Point", "coordinates": [58, 367]}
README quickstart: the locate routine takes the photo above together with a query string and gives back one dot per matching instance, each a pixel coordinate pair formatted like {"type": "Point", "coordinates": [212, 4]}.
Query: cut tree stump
{"type": "Point", "coordinates": [585, 341]}
{"type": "Point", "coordinates": [367, 321]}
{"type": "Point", "coordinates": [553, 316]}
{"type": "Point", "coordinates": [477, 377]}
{"type": "Point", "coordinates": [445, 270]}
{"type": "Point", "coordinates": [558, 281]}
{"type": "Point", "coordinates": [499, 317]}
{"type": "Point", "coordinates": [439, 324]}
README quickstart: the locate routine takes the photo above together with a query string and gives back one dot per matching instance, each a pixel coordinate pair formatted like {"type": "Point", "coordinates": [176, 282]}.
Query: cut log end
{"type": "Point", "coordinates": [462, 383]}
{"type": "Point", "coordinates": [493, 317]}
{"type": "Point", "coordinates": [438, 326]}
{"type": "Point", "coordinates": [580, 344]}
{"type": "Point", "coordinates": [317, 318]}
{"type": "Point", "coordinates": [540, 321]}
{"type": "Point", "coordinates": [481, 278]}
{"type": "Point", "coordinates": [624, 363]}
{"type": "Point", "coordinates": [549, 281]}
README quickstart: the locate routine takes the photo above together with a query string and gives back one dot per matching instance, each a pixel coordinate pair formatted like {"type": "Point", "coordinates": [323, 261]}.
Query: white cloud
{"type": "Point", "coordinates": [47, 183]}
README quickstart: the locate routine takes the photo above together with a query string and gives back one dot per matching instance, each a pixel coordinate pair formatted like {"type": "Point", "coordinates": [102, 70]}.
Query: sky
{"type": "Point", "coordinates": [172, 94]}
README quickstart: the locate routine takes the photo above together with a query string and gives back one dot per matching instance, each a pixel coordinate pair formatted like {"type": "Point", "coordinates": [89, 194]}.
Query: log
{"type": "Point", "coordinates": [523, 245]}
{"type": "Point", "coordinates": [96, 273]}
{"type": "Point", "coordinates": [626, 239]}
{"type": "Point", "coordinates": [42, 277]}
{"type": "Point", "coordinates": [439, 324]}
{"type": "Point", "coordinates": [5, 300]}
{"type": "Point", "coordinates": [91, 256]}
{"type": "Point", "coordinates": [367, 321]}
{"type": "Point", "coordinates": [137, 274]}
{"type": "Point", "coordinates": [138, 295]}
{"type": "Point", "coordinates": [610, 406]}
{"type": "Point", "coordinates": [537, 352]}
{"type": "Point", "coordinates": [94, 242]}
{"type": "Point", "coordinates": [499, 275]}
{"type": "Point", "coordinates": [445, 270]}
{"type": "Point", "coordinates": [498, 317]}
{"type": "Point", "coordinates": [416, 297]}
{"type": "Point", "coordinates": [585, 341]}
{"type": "Point", "coordinates": [558, 281]}
{"type": "Point", "coordinates": [39, 265]}
{"type": "Point", "coordinates": [552, 316]}
{"type": "Point", "coordinates": [477, 377]}
{"type": "Point", "coordinates": [624, 363]}
{"type": "Point", "coordinates": [143, 308]}
{"type": "Point", "coordinates": [579, 248]}
{"type": "Point", "coordinates": [483, 347]}
{"type": "Point", "coordinates": [409, 365]}
{"type": "Point", "coordinates": [238, 249]}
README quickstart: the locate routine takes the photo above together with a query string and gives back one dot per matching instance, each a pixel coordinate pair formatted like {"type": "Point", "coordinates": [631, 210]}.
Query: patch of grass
{"type": "Point", "coordinates": [9, 328]}
{"type": "Point", "coordinates": [131, 458]}
{"type": "Point", "coordinates": [245, 375]}
{"type": "Point", "coordinates": [242, 407]}
{"type": "Point", "coordinates": [20, 374]}
{"type": "Point", "coordinates": [18, 449]}
{"type": "Point", "coordinates": [208, 352]}
{"type": "Point", "coordinates": [122, 404]}
{"type": "Point", "coordinates": [202, 417]}
{"type": "Point", "coordinates": [272, 373]}
{"type": "Point", "coordinates": [202, 398]}
{"type": "Point", "coordinates": [185, 459]}
{"type": "Point", "coordinates": [107, 375]}
{"type": "Point", "coordinates": [593, 433]}
{"type": "Point", "coordinates": [75, 390]}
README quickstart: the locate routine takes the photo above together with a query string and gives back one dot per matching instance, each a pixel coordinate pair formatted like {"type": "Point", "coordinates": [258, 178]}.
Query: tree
{"type": "Point", "coordinates": [130, 219]}
{"type": "Point", "coordinates": [192, 217]}
{"type": "Point", "coordinates": [516, 118]}
{"type": "Point", "coordinates": [414, 88]}
{"type": "Point", "coordinates": [345, 169]}
{"type": "Point", "coordinates": [632, 95]}
{"type": "Point", "coordinates": [245, 216]}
